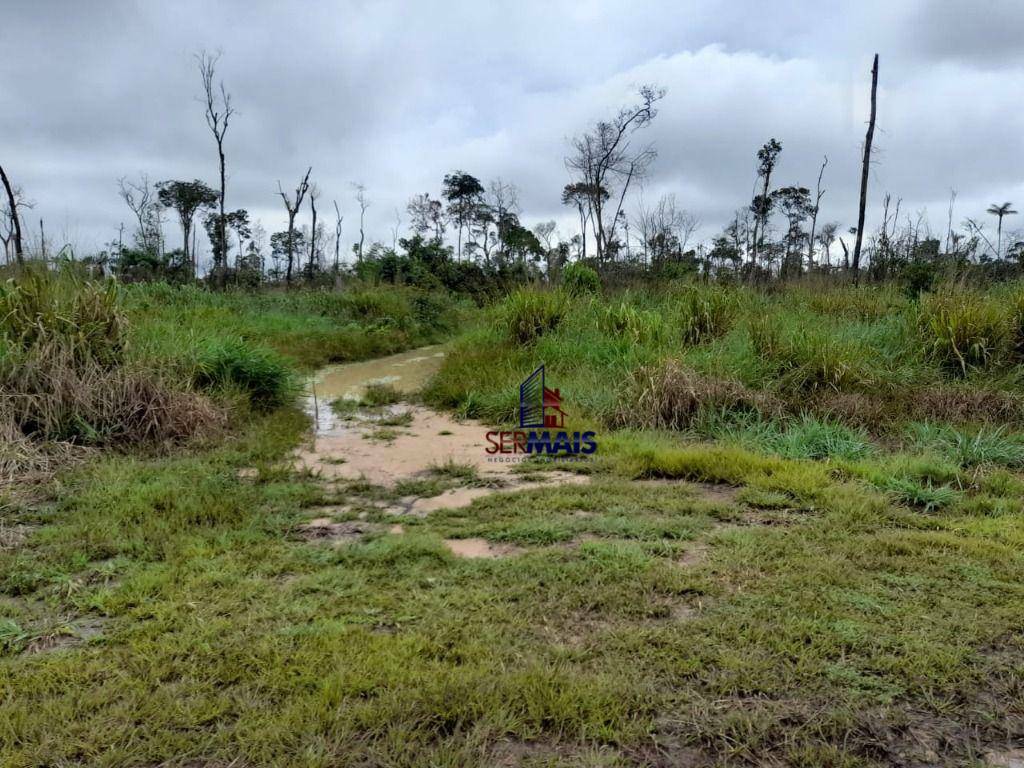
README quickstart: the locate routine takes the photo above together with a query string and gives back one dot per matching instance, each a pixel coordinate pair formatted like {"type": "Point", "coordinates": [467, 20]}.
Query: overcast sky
{"type": "Point", "coordinates": [396, 94]}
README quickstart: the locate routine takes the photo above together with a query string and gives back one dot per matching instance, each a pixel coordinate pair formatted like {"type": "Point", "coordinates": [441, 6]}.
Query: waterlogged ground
{"type": "Point", "coordinates": [374, 593]}
{"type": "Point", "coordinates": [409, 449]}
{"type": "Point", "coordinates": [406, 372]}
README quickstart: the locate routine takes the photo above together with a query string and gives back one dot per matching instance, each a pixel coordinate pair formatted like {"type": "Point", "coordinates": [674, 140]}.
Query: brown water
{"type": "Point", "coordinates": [407, 372]}
{"type": "Point", "coordinates": [348, 447]}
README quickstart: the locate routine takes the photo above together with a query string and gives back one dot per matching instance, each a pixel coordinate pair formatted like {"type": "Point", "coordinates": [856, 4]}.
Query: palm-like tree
{"type": "Point", "coordinates": [999, 211]}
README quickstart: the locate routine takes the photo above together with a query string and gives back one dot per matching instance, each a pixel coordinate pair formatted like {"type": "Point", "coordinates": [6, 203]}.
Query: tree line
{"type": "Point", "coordinates": [473, 231]}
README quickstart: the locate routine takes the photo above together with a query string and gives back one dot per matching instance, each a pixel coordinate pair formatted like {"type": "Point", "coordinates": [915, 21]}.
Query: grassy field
{"type": "Point", "coordinates": [800, 545]}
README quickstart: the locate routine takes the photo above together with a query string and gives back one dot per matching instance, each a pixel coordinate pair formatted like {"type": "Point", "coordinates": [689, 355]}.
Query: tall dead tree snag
{"type": "Point", "coordinates": [19, 253]}
{"type": "Point", "coordinates": [865, 169]}
{"type": "Point", "coordinates": [218, 113]}
{"type": "Point", "coordinates": [818, 194]}
{"type": "Point", "coordinates": [293, 206]}
{"type": "Point", "coordinates": [311, 266]}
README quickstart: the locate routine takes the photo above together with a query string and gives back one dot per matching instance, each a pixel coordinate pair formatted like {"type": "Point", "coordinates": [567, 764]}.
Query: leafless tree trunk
{"type": "Point", "coordinates": [949, 219]}
{"type": "Point", "coordinates": [819, 192]}
{"type": "Point", "coordinates": [313, 194]}
{"type": "Point", "coordinates": [218, 113]}
{"type": "Point", "coordinates": [865, 169]}
{"type": "Point", "coordinates": [363, 205]}
{"type": "Point", "coordinates": [397, 227]}
{"type": "Point", "coordinates": [19, 253]}
{"type": "Point", "coordinates": [337, 236]}
{"type": "Point", "coordinates": [293, 206]}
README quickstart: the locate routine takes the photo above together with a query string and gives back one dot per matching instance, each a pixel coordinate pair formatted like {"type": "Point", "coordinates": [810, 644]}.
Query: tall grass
{"type": "Point", "coordinates": [707, 312]}
{"type": "Point", "coordinates": [83, 318]}
{"type": "Point", "coordinates": [258, 372]}
{"type": "Point", "coordinates": [529, 313]}
{"type": "Point", "coordinates": [970, 447]}
{"type": "Point", "coordinates": [964, 329]}
{"type": "Point", "coordinates": [858, 356]}
{"type": "Point", "coordinates": [65, 376]}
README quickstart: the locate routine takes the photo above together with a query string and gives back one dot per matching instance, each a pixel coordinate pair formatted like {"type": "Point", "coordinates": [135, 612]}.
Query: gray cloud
{"type": "Point", "coordinates": [397, 94]}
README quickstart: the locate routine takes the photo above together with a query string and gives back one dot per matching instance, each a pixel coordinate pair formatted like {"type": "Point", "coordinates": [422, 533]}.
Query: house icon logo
{"type": "Point", "coordinates": [540, 406]}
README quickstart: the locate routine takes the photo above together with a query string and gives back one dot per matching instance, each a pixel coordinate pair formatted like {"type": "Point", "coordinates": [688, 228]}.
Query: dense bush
{"type": "Point", "coordinates": [259, 373]}
{"type": "Point", "coordinates": [579, 279]}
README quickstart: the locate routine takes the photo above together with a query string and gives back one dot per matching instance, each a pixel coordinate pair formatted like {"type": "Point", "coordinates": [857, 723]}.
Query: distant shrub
{"type": "Point", "coordinates": [919, 276]}
{"type": "Point", "coordinates": [706, 312]}
{"type": "Point", "coordinates": [579, 279]}
{"type": "Point", "coordinates": [260, 373]}
{"type": "Point", "coordinates": [385, 305]}
{"type": "Point", "coordinates": [963, 329]}
{"type": "Point", "coordinates": [529, 313]}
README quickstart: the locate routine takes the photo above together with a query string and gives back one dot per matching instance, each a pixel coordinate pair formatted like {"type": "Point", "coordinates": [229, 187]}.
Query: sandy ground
{"type": "Point", "coordinates": [347, 449]}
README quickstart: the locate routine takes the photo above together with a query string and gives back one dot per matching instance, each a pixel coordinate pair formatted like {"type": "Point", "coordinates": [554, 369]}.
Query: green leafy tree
{"type": "Point", "coordinates": [761, 206]}
{"type": "Point", "coordinates": [464, 194]}
{"type": "Point", "coordinates": [186, 198]}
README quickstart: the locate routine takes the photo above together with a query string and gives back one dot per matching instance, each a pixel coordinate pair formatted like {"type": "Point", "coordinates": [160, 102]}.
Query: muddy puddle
{"type": "Point", "coordinates": [406, 372]}
{"type": "Point", "coordinates": [401, 442]}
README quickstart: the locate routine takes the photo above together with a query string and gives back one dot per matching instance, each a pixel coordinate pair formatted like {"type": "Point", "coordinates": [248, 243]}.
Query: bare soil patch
{"type": "Point", "coordinates": [326, 529]}
{"type": "Point", "coordinates": [480, 548]}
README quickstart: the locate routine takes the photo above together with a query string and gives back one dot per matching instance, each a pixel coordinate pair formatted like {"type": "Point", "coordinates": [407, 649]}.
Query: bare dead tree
{"type": "Point", "coordinates": [819, 193]}
{"type": "Point", "coordinates": [141, 199]}
{"type": "Point", "coordinates": [314, 193]}
{"type": "Point", "coordinates": [12, 212]}
{"type": "Point", "coordinates": [395, 230]}
{"type": "Point", "coordinates": [949, 220]}
{"type": "Point", "coordinates": [976, 228]}
{"type": "Point", "coordinates": [338, 218]}
{"type": "Point", "coordinates": [360, 190]}
{"type": "Point", "coordinates": [665, 230]}
{"type": "Point", "coordinates": [865, 169]}
{"type": "Point", "coordinates": [603, 159]}
{"type": "Point", "coordinates": [218, 115]}
{"type": "Point", "coordinates": [292, 206]}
